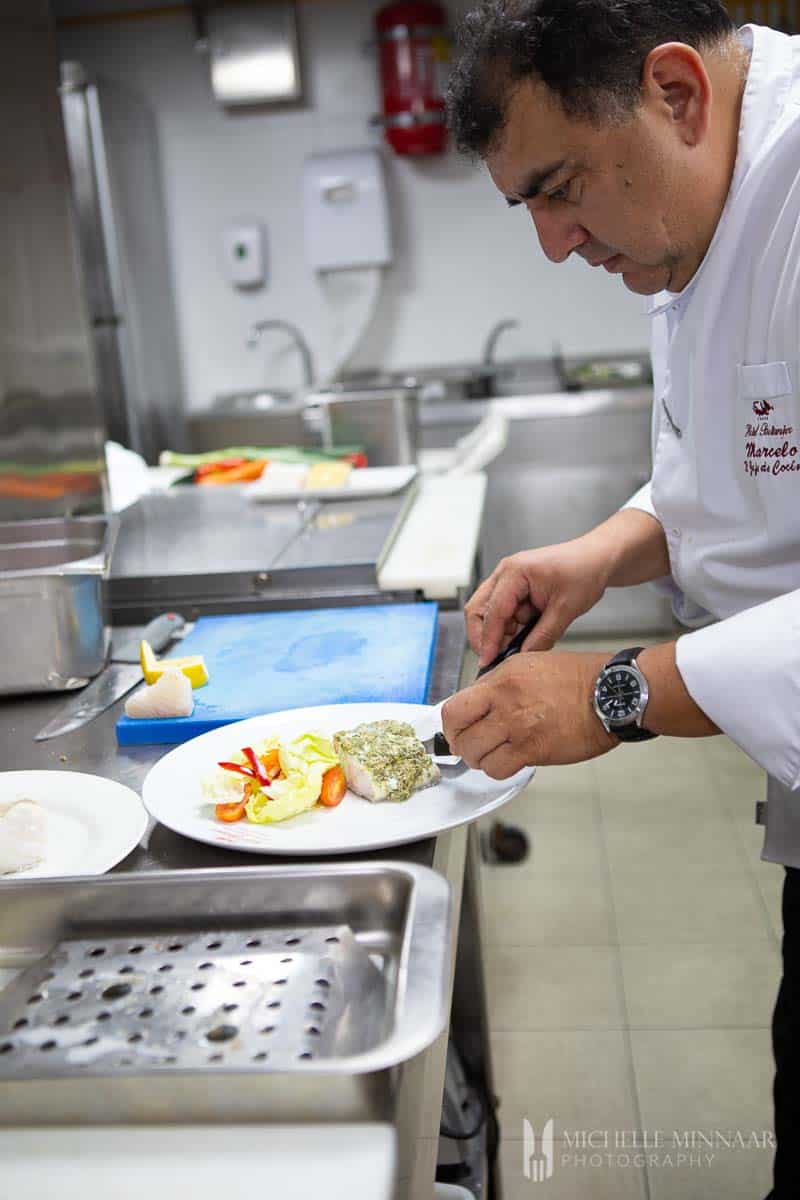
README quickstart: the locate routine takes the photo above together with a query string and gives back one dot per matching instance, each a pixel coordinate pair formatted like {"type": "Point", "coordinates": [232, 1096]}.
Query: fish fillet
{"type": "Point", "coordinates": [23, 835]}
{"type": "Point", "coordinates": [169, 696]}
{"type": "Point", "coordinates": [385, 760]}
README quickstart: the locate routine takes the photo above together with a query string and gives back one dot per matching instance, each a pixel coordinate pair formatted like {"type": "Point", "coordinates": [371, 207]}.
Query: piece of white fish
{"type": "Point", "coordinates": [23, 835]}
{"type": "Point", "coordinates": [385, 760]}
{"type": "Point", "coordinates": [170, 696]}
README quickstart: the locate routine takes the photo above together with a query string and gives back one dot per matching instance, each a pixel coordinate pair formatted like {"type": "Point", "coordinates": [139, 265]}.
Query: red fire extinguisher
{"type": "Point", "coordinates": [413, 49]}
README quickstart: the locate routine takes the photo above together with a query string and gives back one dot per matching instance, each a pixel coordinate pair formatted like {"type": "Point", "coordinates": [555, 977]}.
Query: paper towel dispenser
{"type": "Point", "coordinates": [346, 210]}
{"type": "Point", "coordinates": [253, 52]}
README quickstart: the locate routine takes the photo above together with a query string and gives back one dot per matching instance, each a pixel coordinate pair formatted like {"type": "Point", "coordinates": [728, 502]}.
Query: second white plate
{"type": "Point", "coordinates": [173, 791]}
{"type": "Point", "coordinates": [92, 823]}
{"type": "Point", "coordinates": [361, 484]}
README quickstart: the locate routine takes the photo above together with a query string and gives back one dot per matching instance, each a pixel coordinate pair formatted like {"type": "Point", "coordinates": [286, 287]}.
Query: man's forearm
{"type": "Point", "coordinates": [670, 709]}
{"type": "Point", "coordinates": [632, 545]}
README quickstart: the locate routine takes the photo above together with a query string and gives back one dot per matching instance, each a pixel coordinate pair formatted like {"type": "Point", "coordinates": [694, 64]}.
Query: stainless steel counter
{"type": "Point", "coordinates": [211, 550]}
{"type": "Point", "coordinates": [94, 749]}
{"type": "Point", "coordinates": [454, 854]}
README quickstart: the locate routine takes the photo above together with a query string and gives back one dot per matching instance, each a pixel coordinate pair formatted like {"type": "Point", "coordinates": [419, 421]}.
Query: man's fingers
{"type": "Point", "coordinates": [479, 739]}
{"type": "Point", "coordinates": [475, 610]}
{"type": "Point", "coordinates": [503, 762]}
{"type": "Point", "coordinates": [511, 590]}
{"type": "Point", "coordinates": [463, 709]}
{"type": "Point", "coordinates": [545, 634]}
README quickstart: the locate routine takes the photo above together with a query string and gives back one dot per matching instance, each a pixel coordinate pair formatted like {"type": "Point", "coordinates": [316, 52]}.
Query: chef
{"type": "Point", "coordinates": [658, 143]}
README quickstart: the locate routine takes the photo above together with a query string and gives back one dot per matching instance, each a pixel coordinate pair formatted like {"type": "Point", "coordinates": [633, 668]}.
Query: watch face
{"type": "Point", "coordinates": [618, 694]}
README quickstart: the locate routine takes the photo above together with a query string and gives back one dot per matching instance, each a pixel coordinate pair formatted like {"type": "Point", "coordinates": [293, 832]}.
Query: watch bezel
{"type": "Point", "coordinates": [636, 717]}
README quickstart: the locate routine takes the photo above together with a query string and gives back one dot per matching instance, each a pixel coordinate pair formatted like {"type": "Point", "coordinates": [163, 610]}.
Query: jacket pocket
{"type": "Point", "coordinates": [764, 381]}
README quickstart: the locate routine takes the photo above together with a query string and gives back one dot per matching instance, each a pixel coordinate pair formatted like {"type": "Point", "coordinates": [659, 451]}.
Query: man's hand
{"type": "Point", "coordinates": [532, 710]}
{"type": "Point", "coordinates": [563, 582]}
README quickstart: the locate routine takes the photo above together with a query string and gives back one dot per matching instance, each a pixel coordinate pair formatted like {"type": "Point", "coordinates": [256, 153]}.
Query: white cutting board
{"type": "Point", "coordinates": [435, 549]}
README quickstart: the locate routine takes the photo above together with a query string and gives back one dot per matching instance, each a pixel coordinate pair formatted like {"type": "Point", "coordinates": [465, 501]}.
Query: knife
{"type": "Point", "coordinates": [122, 673]}
{"type": "Point", "coordinates": [432, 734]}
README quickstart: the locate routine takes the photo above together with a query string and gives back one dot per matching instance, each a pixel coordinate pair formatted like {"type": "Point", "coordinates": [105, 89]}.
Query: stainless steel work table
{"type": "Point", "coordinates": [454, 854]}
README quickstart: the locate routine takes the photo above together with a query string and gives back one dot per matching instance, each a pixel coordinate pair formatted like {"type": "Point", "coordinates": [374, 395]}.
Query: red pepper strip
{"type": "Point", "coordinates": [258, 767]}
{"type": "Point", "coordinates": [238, 768]}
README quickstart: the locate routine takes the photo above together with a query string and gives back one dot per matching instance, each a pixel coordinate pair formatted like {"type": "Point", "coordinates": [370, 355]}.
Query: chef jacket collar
{"type": "Point", "coordinates": [769, 78]}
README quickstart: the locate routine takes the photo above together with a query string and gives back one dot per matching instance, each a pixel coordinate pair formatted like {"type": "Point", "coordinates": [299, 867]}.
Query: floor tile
{"type": "Point", "coordinates": [664, 793]}
{"type": "Point", "coordinates": [574, 1177]}
{"type": "Point", "coordinates": [557, 796]}
{"type": "Point", "coordinates": [749, 836]}
{"type": "Point", "coordinates": [564, 850]}
{"type": "Point", "coordinates": [672, 986]}
{"type": "Point", "coordinates": [535, 908]}
{"type": "Point", "coordinates": [703, 1079]}
{"type": "Point", "coordinates": [740, 783]}
{"type": "Point", "coordinates": [702, 842]}
{"type": "Point", "coordinates": [553, 987]}
{"type": "Point", "coordinates": [716, 1174]}
{"type": "Point", "coordinates": [769, 879]}
{"type": "Point", "coordinates": [690, 904]}
{"type": "Point", "coordinates": [582, 1079]}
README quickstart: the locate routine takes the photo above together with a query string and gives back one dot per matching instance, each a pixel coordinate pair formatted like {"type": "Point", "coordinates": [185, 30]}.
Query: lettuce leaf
{"type": "Point", "coordinates": [304, 761]}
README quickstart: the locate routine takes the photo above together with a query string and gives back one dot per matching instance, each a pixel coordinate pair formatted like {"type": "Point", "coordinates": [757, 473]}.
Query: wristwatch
{"type": "Point", "coordinates": [620, 697]}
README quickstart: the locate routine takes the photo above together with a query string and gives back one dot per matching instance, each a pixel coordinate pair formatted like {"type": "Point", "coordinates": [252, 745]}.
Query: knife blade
{"type": "Point", "coordinates": [122, 673]}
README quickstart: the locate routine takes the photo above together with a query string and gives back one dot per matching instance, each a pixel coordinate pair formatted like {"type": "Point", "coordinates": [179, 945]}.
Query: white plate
{"type": "Point", "coordinates": [92, 823]}
{"type": "Point", "coordinates": [361, 483]}
{"type": "Point", "coordinates": [173, 792]}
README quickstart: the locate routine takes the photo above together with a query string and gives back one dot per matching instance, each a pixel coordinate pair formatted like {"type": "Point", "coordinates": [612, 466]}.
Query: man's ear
{"type": "Point", "coordinates": [676, 83]}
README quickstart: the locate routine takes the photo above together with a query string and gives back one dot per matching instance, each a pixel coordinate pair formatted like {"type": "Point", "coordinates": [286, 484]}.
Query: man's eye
{"type": "Point", "coordinates": [559, 193]}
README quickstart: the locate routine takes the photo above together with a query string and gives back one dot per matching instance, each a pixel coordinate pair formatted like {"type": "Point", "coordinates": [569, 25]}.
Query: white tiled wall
{"type": "Point", "coordinates": [463, 259]}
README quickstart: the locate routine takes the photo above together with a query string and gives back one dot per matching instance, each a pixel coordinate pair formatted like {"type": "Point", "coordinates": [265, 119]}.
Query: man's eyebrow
{"type": "Point", "coordinates": [533, 184]}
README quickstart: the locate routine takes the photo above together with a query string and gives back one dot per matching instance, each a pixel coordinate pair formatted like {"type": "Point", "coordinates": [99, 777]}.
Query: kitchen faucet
{"type": "Point", "coordinates": [259, 327]}
{"type": "Point", "coordinates": [495, 333]}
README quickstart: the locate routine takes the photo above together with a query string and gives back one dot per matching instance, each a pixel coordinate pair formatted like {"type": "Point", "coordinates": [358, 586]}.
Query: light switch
{"type": "Point", "coordinates": [245, 255]}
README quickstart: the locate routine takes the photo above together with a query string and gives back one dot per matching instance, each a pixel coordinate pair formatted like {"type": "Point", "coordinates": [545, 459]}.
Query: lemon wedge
{"type": "Point", "coordinates": [193, 666]}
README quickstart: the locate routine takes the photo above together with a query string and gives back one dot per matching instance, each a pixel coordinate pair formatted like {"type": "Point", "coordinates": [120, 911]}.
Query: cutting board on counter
{"type": "Point", "coordinates": [270, 661]}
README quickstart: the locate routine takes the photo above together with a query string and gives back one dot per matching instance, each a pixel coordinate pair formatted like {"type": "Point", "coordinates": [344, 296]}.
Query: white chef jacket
{"type": "Point", "coordinates": [726, 445]}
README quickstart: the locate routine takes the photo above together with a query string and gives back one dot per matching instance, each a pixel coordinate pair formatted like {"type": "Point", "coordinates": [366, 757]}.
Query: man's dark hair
{"type": "Point", "coordinates": [589, 53]}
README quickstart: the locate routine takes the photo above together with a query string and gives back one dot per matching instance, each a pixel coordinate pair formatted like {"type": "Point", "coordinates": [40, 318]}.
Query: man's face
{"type": "Point", "coordinates": [611, 196]}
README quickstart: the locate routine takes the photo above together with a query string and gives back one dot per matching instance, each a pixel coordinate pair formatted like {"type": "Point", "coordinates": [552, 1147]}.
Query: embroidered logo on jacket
{"type": "Point", "coordinates": [768, 449]}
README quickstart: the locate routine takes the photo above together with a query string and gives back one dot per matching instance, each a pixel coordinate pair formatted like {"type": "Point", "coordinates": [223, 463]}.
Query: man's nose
{"type": "Point", "coordinates": [558, 234]}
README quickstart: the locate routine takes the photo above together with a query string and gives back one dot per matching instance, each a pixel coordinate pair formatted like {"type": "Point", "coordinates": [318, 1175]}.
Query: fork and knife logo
{"type": "Point", "coordinates": [537, 1165]}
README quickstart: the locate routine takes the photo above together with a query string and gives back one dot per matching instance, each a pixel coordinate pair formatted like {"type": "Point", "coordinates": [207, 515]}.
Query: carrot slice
{"type": "Point", "coordinates": [271, 762]}
{"type": "Point", "coordinates": [229, 812]}
{"type": "Point", "coordinates": [334, 786]}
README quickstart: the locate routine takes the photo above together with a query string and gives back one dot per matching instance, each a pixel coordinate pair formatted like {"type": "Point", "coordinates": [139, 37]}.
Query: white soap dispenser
{"type": "Point", "coordinates": [346, 210]}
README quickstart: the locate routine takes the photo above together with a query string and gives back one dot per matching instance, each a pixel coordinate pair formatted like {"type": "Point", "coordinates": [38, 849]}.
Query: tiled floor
{"type": "Point", "coordinates": [633, 962]}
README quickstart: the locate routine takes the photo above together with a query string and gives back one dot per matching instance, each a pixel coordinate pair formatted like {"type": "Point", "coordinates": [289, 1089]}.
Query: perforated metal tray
{"type": "Point", "coordinates": [291, 993]}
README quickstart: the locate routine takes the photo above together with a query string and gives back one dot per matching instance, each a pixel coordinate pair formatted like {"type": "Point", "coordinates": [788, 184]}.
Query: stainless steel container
{"type": "Point", "coordinates": [262, 993]}
{"type": "Point", "coordinates": [383, 421]}
{"type": "Point", "coordinates": [54, 633]}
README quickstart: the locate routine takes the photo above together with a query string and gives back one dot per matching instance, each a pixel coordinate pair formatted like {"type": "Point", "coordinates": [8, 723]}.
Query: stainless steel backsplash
{"type": "Point", "coordinates": [51, 433]}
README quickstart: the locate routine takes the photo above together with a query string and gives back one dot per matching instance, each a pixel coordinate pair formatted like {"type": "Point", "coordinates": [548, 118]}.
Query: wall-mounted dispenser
{"type": "Point", "coordinates": [346, 210]}
{"type": "Point", "coordinates": [253, 52]}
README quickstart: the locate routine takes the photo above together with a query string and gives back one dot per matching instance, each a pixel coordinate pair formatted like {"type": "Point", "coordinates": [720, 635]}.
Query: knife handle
{"type": "Point", "coordinates": [159, 633]}
{"type": "Point", "coordinates": [161, 630]}
{"type": "Point", "coordinates": [514, 646]}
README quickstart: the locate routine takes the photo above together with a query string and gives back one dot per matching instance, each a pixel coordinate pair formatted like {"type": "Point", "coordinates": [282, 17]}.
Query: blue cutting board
{"type": "Point", "coordinates": [270, 661]}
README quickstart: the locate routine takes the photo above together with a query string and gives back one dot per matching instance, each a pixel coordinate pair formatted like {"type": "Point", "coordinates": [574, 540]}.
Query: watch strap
{"type": "Point", "coordinates": [632, 733]}
{"type": "Point", "coordinates": [629, 733]}
{"type": "Point", "coordinates": [625, 658]}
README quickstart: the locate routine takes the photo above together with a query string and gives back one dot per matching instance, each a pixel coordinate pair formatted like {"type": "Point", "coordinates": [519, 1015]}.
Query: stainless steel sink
{"type": "Point", "coordinates": [267, 993]}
